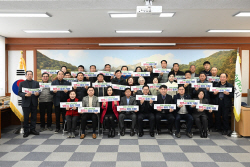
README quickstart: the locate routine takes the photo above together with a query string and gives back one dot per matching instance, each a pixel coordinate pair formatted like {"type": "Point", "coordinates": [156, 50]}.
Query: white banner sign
{"type": "Point", "coordinates": [139, 74]}
{"type": "Point", "coordinates": [146, 97]}
{"type": "Point", "coordinates": [120, 87]}
{"type": "Point", "coordinates": [70, 104]}
{"type": "Point", "coordinates": [80, 84]}
{"type": "Point", "coordinates": [161, 70]}
{"type": "Point", "coordinates": [177, 77]}
{"type": "Point", "coordinates": [127, 72]}
{"type": "Point", "coordinates": [149, 63]}
{"type": "Point", "coordinates": [213, 79]}
{"type": "Point", "coordinates": [201, 85]}
{"type": "Point", "coordinates": [165, 106]}
{"type": "Point", "coordinates": [30, 90]}
{"type": "Point", "coordinates": [220, 89]}
{"type": "Point", "coordinates": [128, 108]}
{"type": "Point", "coordinates": [91, 74]}
{"type": "Point", "coordinates": [106, 73]}
{"type": "Point", "coordinates": [138, 87]}
{"type": "Point", "coordinates": [70, 79]}
{"type": "Point", "coordinates": [172, 88]}
{"type": "Point", "coordinates": [74, 73]}
{"type": "Point", "coordinates": [197, 79]}
{"type": "Point", "coordinates": [44, 85]}
{"type": "Point", "coordinates": [108, 98]}
{"type": "Point", "coordinates": [101, 85]}
{"type": "Point", "coordinates": [183, 81]}
{"type": "Point", "coordinates": [157, 85]}
{"type": "Point", "coordinates": [60, 88]}
{"type": "Point", "coordinates": [207, 107]}
{"type": "Point", "coordinates": [82, 110]}
{"type": "Point", "coordinates": [188, 102]}
{"type": "Point", "coordinates": [49, 71]}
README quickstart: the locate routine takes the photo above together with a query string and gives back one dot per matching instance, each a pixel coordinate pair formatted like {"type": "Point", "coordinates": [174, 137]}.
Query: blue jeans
{"type": "Point", "coordinates": [189, 120]}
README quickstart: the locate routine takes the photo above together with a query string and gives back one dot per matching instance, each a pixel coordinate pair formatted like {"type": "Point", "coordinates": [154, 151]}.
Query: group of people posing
{"type": "Point", "coordinates": [109, 115]}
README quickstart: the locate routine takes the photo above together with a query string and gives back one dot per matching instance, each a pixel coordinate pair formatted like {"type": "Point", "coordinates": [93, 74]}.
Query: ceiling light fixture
{"type": "Point", "coordinates": [156, 31]}
{"type": "Point", "coordinates": [228, 31]}
{"type": "Point", "coordinates": [24, 15]}
{"type": "Point", "coordinates": [47, 31]}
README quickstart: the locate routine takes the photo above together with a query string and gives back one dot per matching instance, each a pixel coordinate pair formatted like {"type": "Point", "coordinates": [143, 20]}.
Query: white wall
{"type": "Point", "coordinates": [2, 66]}
{"type": "Point", "coordinates": [30, 61]}
{"type": "Point", "coordinates": [245, 70]}
{"type": "Point", "coordinates": [13, 62]}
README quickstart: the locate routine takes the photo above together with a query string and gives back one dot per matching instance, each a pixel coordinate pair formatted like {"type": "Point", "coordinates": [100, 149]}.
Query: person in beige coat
{"type": "Point", "coordinates": [155, 91]}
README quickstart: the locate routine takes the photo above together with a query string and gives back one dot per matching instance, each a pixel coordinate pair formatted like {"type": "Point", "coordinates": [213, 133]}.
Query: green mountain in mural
{"type": "Point", "coordinates": [223, 60]}
{"type": "Point", "coordinates": [44, 62]}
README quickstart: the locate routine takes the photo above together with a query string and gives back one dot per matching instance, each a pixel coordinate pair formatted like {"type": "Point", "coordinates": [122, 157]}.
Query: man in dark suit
{"type": "Point", "coordinates": [176, 70]}
{"type": "Point", "coordinates": [193, 69]}
{"type": "Point", "coordinates": [59, 96]}
{"type": "Point", "coordinates": [183, 112]}
{"type": "Point", "coordinates": [188, 86]}
{"type": "Point", "coordinates": [29, 104]}
{"type": "Point", "coordinates": [164, 98]}
{"type": "Point", "coordinates": [224, 100]}
{"type": "Point", "coordinates": [80, 91]}
{"type": "Point", "coordinates": [100, 91]}
{"type": "Point", "coordinates": [107, 67]}
{"type": "Point", "coordinates": [119, 81]}
{"type": "Point", "coordinates": [146, 111]}
{"type": "Point", "coordinates": [127, 100]}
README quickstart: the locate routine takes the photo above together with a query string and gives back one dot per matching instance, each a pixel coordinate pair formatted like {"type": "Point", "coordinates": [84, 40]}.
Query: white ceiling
{"type": "Point", "coordinates": [89, 18]}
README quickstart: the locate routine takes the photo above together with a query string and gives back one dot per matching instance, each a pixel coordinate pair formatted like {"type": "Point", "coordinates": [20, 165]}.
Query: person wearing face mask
{"type": "Point", "coordinates": [224, 100]}
{"type": "Point", "coordinates": [29, 104]}
{"type": "Point", "coordinates": [200, 115]}
{"type": "Point", "coordinates": [59, 96]}
{"type": "Point", "coordinates": [171, 83]}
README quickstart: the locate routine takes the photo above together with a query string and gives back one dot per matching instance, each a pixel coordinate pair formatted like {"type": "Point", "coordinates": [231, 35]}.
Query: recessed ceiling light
{"type": "Point", "coordinates": [24, 15]}
{"type": "Point", "coordinates": [166, 14]}
{"type": "Point", "coordinates": [122, 15]}
{"type": "Point", "coordinates": [157, 31]}
{"type": "Point", "coordinates": [228, 31]}
{"type": "Point", "coordinates": [47, 31]}
{"type": "Point", "coordinates": [242, 14]}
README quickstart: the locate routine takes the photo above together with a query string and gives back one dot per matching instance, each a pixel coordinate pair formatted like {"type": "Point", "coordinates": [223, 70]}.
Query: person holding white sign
{"type": "Point", "coordinates": [163, 77]}
{"type": "Point", "coordinates": [207, 66]}
{"type": "Point", "coordinates": [137, 69]}
{"type": "Point", "coordinates": [214, 72]}
{"type": "Point", "coordinates": [131, 82]}
{"type": "Point", "coordinates": [200, 115]}
{"type": "Point", "coordinates": [92, 68]}
{"type": "Point", "coordinates": [80, 91]}
{"type": "Point", "coordinates": [188, 87]}
{"type": "Point", "coordinates": [107, 67]}
{"type": "Point", "coordinates": [45, 103]}
{"type": "Point", "coordinates": [71, 115]}
{"type": "Point", "coordinates": [146, 111]}
{"type": "Point", "coordinates": [100, 91]}
{"type": "Point", "coordinates": [164, 98]}
{"type": "Point", "coordinates": [110, 113]}
{"type": "Point", "coordinates": [29, 104]}
{"type": "Point", "coordinates": [89, 101]}
{"type": "Point", "coordinates": [152, 75]}
{"type": "Point", "coordinates": [125, 68]}
{"type": "Point", "coordinates": [120, 81]}
{"type": "Point", "coordinates": [59, 96]}
{"type": "Point", "coordinates": [171, 83]}
{"type": "Point", "coordinates": [183, 112]}
{"type": "Point", "coordinates": [155, 91]}
{"type": "Point", "coordinates": [224, 100]}
{"type": "Point", "coordinates": [202, 77]}
{"type": "Point", "coordinates": [141, 81]}
{"type": "Point", "coordinates": [127, 100]}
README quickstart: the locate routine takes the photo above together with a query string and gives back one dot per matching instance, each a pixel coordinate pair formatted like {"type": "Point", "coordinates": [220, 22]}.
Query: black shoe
{"type": "Point", "coordinates": [26, 134]}
{"type": "Point", "coordinates": [110, 133]}
{"type": "Point", "coordinates": [178, 134]}
{"type": "Point", "coordinates": [159, 131]}
{"type": "Point", "coordinates": [224, 132]}
{"type": "Point", "coordinates": [34, 132]}
{"type": "Point", "coordinates": [202, 134]}
{"type": "Point", "coordinates": [205, 134]}
{"type": "Point", "coordinates": [152, 134]}
{"type": "Point", "coordinates": [57, 130]}
{"type": "Point", "coordinates": [189, 135]}
{"type": "Point", "coordinates": [113, 133]}
{"type": "Point", "coordinates": [132, 132]}
{"type": "Point", "coordinates": [122, 132]}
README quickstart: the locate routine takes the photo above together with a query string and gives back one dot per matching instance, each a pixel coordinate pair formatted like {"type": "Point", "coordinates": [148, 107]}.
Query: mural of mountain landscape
{"type": "Point", "coordinates": [223, 60]}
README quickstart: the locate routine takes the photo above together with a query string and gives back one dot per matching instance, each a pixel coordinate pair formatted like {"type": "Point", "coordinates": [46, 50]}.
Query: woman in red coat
{"type": "Point", "coordinates": [110, 113]}
{"type": "Point", "coordinates": [71, 115]}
